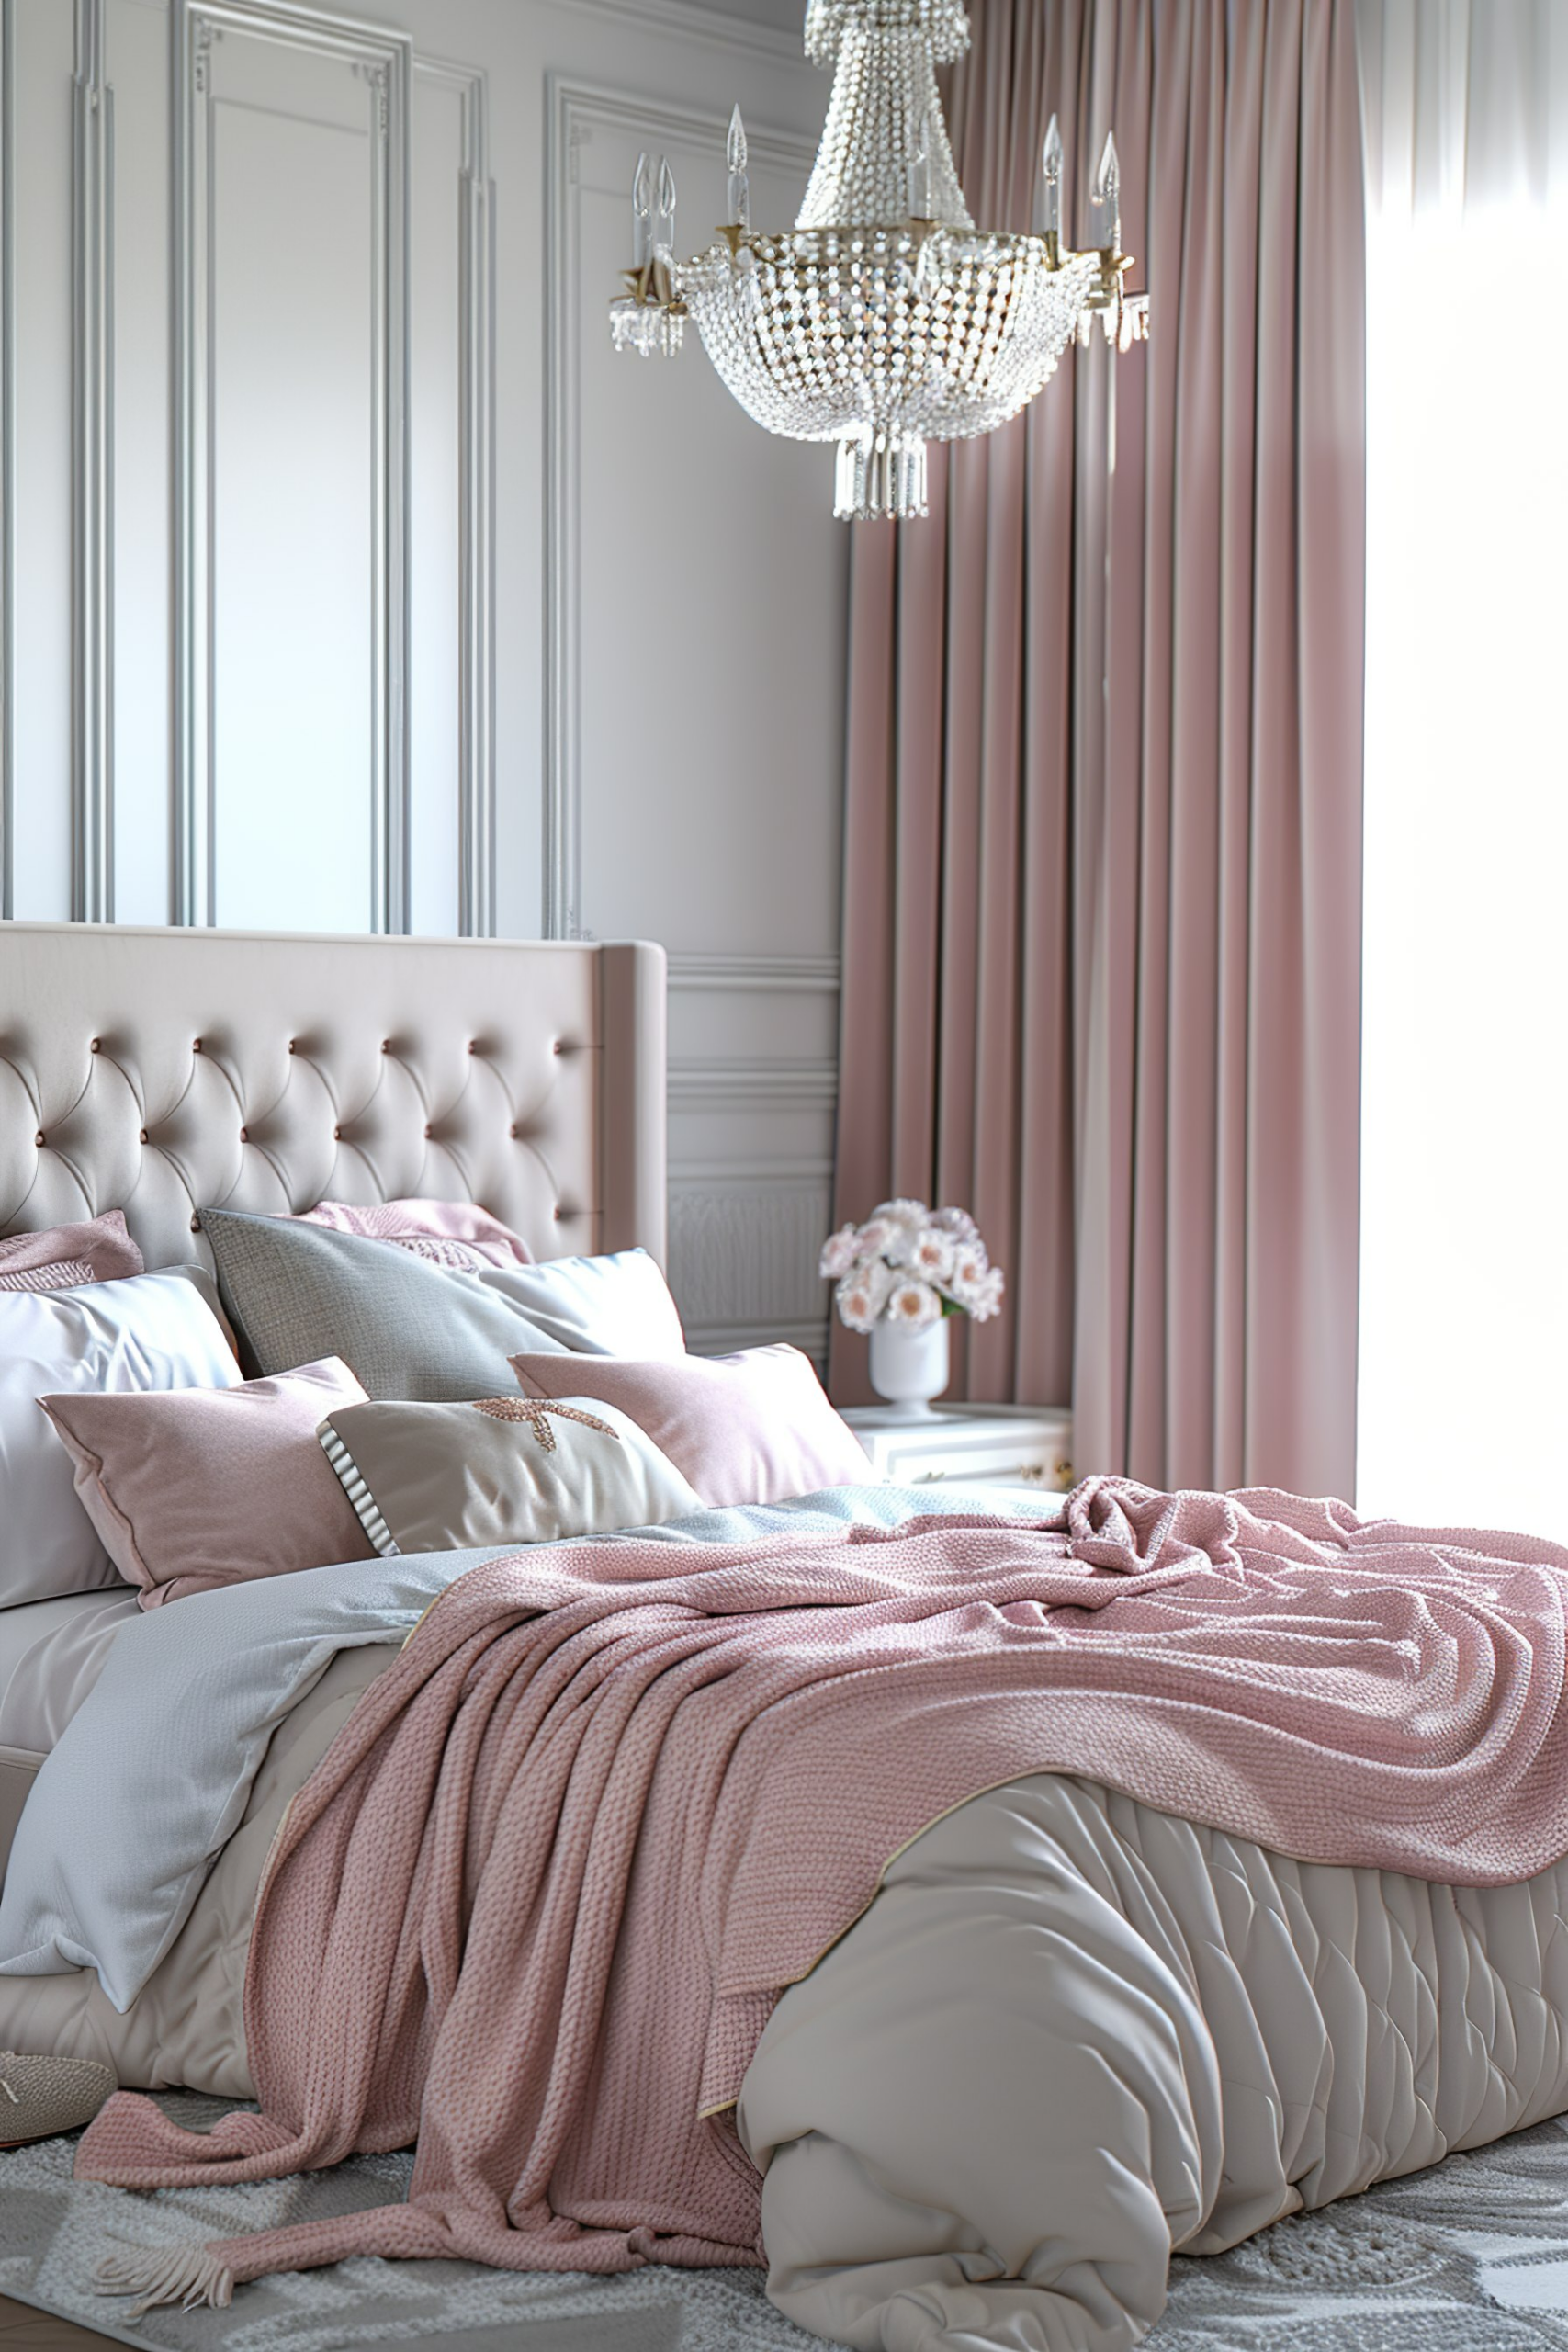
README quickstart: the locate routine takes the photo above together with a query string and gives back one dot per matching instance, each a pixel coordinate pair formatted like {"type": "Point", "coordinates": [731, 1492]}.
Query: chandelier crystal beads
{"type": "Point", "coordinates": [885, 320]}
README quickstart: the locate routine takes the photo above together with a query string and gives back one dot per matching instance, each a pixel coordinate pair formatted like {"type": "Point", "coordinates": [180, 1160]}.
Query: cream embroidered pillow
{"type": "Point", "coordinates": [503, 1470]}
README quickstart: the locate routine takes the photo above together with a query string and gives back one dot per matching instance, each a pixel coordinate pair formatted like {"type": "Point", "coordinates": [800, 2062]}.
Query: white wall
{"type": "Point", "coordinates": [353, 582]}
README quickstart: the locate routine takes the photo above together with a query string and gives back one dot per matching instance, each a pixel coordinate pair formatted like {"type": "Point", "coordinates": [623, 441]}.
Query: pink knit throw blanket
{"type": "Point", "coordinates": [536, 1904]}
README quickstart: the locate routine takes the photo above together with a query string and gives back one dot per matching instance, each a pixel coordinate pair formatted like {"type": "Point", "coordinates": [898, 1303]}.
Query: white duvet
{"type": "Point", "coordinates": [1069, 2035]}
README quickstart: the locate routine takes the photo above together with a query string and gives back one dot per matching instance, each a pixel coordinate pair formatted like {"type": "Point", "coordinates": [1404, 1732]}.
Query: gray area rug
{"type": "Point", "coordinates": [1470, 2258]}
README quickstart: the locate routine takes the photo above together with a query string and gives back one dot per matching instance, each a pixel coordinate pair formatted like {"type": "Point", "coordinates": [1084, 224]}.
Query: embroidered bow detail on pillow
{"type": "Point", "coordinates": [535, 1411]}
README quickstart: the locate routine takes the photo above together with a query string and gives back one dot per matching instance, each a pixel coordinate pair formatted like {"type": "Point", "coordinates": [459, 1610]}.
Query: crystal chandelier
{"type": "Point", "coordinates": [884, 319]}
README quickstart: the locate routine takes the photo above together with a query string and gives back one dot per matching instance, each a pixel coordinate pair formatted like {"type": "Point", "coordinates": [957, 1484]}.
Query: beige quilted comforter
{"type": "Point", "coordinates": [1069, 2035]}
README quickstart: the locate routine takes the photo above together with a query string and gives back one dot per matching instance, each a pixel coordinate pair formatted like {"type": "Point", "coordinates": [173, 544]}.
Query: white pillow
{"type": "Point", "coordinates": [616, 1306]}
{"type": "Point", "coordinates": [146, 1331]}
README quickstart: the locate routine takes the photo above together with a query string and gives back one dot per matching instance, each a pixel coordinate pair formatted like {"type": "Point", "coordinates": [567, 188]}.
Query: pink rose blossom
{"type": "Point", "coordinates": [912, 1216]}
{"type": "Point", "coordinates": [913, 1304]}
{"type": "Point", "coordinates": [862, 1295]}
{"type": "Point", "coordinates": [874, 1236]}
{"type": "Point", "coordinates": [839, 1252]}
{"type": "Point", "coordinates": [970, 1268]}
{"type": "Point", "coordinates": [930, 1255]}
{"type": "Point", "coordinates": [957, 1222]}
{"type": "Point", "coordinates": [984, 1297]}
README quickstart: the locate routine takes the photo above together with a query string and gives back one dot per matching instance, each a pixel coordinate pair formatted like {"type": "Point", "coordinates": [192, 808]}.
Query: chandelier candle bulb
{"type": "Point", "coordinates": [885, 320]}
{"type": "Point", "coordinates": [739, 184]}
{"type": "Point", "coordinates": [664, 236]}
{"type": "Point", "coordinates": [1051, 191]}
{"type": "Point", "coordinates": [648, 318]}
{"type": "Point", "coordinates": [642, 215]}
{"type": "Point", "coordinates": [1105, 200]}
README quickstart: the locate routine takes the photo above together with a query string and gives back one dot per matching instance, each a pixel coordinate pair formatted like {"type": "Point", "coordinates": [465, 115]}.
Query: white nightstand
{"type": "Point", "coordinates": [1022, 1447]}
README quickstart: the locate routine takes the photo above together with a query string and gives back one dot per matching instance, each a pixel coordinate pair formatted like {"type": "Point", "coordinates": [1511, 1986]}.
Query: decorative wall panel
{"type": "Point", "coordinates": [708, 783]}
{"type": "Point", "coordinates": [140, 462]}
{"type": "Point", "coordinates": [291, 335]}
{"type": "Point", "coordinates": [7, 443]}
{"type": "Point", "coordinates": [743, 1261]}
{"type": "Point", "coordinates": [236, 493]}
{"type": "Point", "coordinates": [42, 528]}
{"type": "Point", "coordinates": [753, 1100]}
{"type": "Point", "coordinates": [451, 526]}
{"type": "Point", "coordinates": [92, 762]}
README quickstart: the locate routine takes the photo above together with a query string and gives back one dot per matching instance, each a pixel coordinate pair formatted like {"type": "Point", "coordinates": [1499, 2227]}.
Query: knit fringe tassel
{"type": "Point", "coordinates": [188, 2275]}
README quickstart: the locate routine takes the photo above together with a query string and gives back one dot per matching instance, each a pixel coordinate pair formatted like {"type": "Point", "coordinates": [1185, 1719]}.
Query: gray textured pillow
{"type": "Point", "coordinates": [296, 1293]}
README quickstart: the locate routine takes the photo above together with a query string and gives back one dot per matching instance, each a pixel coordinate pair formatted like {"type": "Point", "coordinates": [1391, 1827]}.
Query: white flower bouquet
{"type": "Point", "coordinates": [908, 1265]}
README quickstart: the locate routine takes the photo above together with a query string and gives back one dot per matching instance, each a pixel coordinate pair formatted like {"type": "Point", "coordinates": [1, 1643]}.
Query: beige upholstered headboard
{"type": "Point", "coordinates": [164, 1071]}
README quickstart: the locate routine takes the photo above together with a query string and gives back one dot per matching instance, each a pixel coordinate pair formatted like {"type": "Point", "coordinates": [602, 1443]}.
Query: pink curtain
{"type": "Point", "coordinates": [1101, 935]}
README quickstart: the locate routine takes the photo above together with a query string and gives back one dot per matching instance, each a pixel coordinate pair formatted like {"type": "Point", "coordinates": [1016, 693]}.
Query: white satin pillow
{"type": "Point", "coordinates": [501, 1470]}
{"type": "Point", "coordinates": [146, 1331]}
{"type": "Point", "coordinates": [614, 1305]}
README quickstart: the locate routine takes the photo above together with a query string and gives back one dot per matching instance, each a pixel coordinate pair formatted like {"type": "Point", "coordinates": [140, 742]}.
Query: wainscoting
{"type": "Point", "coordinates": [751, 1146]}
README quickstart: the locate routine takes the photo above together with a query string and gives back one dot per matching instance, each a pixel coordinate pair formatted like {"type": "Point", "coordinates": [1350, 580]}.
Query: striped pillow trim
{"type": "Point", "coordinates": [366, 1507]}
{"type": "Point", "coordinates": [66, 1273]}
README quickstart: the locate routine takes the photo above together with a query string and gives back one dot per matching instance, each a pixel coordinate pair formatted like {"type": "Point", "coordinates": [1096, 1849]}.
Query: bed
{"type": "Point", "coordinates": [1071, 2031]}
{"type": "Point", "coordinates": [156, 1071]}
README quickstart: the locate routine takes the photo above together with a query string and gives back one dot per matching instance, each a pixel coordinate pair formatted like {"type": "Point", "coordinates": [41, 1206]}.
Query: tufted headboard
{"type": "Point", "coordinates": [164, 1071]}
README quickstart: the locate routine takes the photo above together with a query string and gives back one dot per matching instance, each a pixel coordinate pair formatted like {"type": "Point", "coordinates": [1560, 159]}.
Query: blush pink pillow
{"type": "Point", "coordinates": [755, 1428]}
{"type": "Point", "coordinates": [99, 1249]}
{"type": "Point", "coordinates": [449, 1233]}
{"type": "Point", "coordinates": [194, 1487]}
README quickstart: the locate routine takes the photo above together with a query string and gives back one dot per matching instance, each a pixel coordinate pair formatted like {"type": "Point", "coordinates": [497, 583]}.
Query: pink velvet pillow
{"type": "Point", "coordinates": [99, 1249]}
{"type": "Point", "coordinates": [194, 1487]}
{"type": "Point", "coordinates": [449, 1233]}
{"type": "Point", "coordinates": [754, 1428]}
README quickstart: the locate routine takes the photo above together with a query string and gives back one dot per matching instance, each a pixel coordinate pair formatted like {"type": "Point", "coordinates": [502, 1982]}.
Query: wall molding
{"type": "Point", "coordinates": [755, 1175]}
{"type": "Point", "coordinates": [476, 196]}
{"type": "Point", "coordinates": [7, 453]}
{"type": "Point", "coordinates": [715, 27]}
{"type": "Point", "coordinates": [385, 60]}
{"type": "Point", "coordinates": [702, 1083]}
{"type": "Point", "coordinates": [783, 975]}
{"type": "Point", "coordinates": [576, 109]}
{"type": "Point", "coordinates": [92, 473]}
{"type": "Point", "coordinates": [811, 1337]}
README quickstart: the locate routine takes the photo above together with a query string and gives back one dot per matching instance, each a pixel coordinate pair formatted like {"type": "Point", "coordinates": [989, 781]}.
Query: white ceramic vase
{"type": "Point", "coordinates": [910, 1363]}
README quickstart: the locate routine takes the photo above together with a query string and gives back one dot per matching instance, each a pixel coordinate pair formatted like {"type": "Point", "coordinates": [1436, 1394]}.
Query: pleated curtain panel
{"type": "Point", "coordinates": [1102, 891]}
